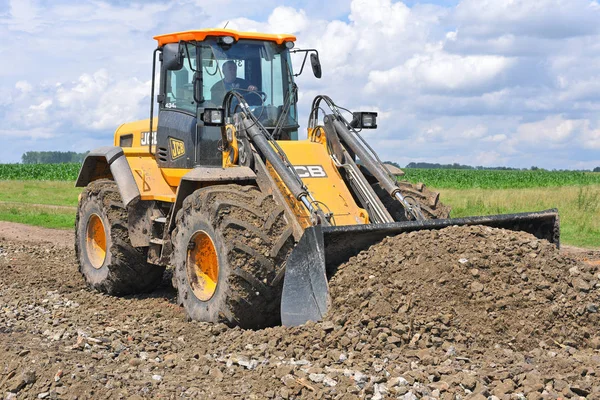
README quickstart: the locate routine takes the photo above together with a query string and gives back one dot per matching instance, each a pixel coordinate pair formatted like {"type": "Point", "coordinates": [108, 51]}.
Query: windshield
{"type": "Point", "coordinates": [259, 71]}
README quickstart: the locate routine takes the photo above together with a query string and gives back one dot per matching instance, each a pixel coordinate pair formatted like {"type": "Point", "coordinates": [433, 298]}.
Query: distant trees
{"type": "Point", "coordinates": [395, 164]}
{"type": "Point", "coordinates": [52, 157]}
{"type": "Point", "coordinates": [426, 165]}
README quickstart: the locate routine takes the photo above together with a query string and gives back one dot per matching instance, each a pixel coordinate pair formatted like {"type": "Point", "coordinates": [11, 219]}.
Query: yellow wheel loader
{"type": "Point", "coordinates": [252, 220]}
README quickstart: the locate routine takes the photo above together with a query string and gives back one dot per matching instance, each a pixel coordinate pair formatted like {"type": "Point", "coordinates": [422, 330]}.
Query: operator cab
{"type": "Point", "coordinates": [198, 68]}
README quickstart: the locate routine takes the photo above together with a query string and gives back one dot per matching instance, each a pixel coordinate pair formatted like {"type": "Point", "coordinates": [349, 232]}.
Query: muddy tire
{"type": "Point", "coordinates": [428, 200]}
{"type": "Point", "coordinates": [107, 260]}
{"type": "Point", "coordinates": [229, 250]}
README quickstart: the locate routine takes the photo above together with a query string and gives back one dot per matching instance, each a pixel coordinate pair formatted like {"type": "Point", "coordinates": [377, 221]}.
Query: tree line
{"type": "Point", "coordinates": [425, 165]}
{"type": "Point", "coordinates": [52, 157]}
{"type": "Point", "coordinates": [60, 157]}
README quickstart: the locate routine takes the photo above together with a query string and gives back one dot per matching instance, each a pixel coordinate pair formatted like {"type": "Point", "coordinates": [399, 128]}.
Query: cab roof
{"type": "Point", "coordinates": [237, 35]}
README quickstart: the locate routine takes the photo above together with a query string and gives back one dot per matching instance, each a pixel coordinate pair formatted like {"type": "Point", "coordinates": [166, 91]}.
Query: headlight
{"type": "Point", "coordinates": [364, 120]}
{"type": "Point", "coordinates": [227, 39]}
{"type": "Point", "coordinates": [213, 116]}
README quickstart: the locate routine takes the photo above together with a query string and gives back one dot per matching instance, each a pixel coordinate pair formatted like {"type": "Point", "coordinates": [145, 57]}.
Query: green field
{"type": "Point", "coordinates": [42, 198]}
{"type": "Point", "coordinates": [483, 179]}
{"type": "Point", "coordinates": [40, 172]}
{"type": "Point", "coordinates": [578, 207]}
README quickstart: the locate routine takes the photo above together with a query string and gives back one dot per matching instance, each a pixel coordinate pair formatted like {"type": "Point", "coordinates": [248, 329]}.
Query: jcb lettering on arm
{"type": "Point", "coordinates": [310, 171]}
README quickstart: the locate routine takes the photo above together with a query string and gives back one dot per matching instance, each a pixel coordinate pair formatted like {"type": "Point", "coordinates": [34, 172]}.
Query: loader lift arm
{"type": "Point", "coordinates": [268, 148]}
{"type": "Point", "coordinates": [343, 132]}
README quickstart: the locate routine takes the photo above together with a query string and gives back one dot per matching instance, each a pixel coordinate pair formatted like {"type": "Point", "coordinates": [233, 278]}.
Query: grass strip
{"type": "Point", "coordinates": [39, 192]}
{"type": "Point", "coordinates": [578, 207]}
{"type": "Point", "coordinates": [38, 215]}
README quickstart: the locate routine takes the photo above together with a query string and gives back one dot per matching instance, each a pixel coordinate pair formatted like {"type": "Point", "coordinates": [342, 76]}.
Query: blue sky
{"type": "Point", "coordinates": [479, 82]}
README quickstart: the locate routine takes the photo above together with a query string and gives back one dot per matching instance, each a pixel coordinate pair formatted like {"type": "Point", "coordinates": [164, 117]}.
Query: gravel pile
{"type": "Point", "coordinates": [466, 312]}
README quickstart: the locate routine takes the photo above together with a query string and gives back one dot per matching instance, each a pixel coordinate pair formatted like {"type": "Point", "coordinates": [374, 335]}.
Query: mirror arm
{"type": "Point", "coordinates": [187, 51]}
{"type": "Point", "coordinates": [303, 62]}
{"type": "Point", "coordinates": [151, 134]}
{"type": "Point", "coordinates": [306, 52]}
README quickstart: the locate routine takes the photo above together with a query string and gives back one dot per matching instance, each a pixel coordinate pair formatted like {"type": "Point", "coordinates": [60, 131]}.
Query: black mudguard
{"type": "Point", "coordinates": [109, 159]}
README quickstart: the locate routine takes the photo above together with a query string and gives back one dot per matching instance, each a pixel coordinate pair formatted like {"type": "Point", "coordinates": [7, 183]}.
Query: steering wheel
{"type": "Point", "coordinates": [263, 95]}
{"type": "Point", "coordinates": [249, 94]}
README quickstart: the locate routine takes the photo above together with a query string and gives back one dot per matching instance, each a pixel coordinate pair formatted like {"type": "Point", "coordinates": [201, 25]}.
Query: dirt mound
{"type": "Point", "coordinates": [470, 312]}
{"type": "Point", "coordinates": [477, 285]}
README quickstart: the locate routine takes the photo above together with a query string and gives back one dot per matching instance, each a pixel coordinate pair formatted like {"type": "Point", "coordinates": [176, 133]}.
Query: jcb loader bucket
{"type": "Point", "coordinates": [321, 249]}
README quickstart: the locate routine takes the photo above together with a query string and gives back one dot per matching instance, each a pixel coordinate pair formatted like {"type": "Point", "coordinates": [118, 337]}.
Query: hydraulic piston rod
{"type": "Point", "coordinates": [374, 167]}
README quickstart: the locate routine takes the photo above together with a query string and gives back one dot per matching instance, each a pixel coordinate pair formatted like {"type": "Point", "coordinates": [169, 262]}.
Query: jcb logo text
{"type": "Point", "coordinates": [146, 138]}
{"type": "Point", "coordinates": [177, 148]}
{"type": "Point", "coordinates": [310, 171]}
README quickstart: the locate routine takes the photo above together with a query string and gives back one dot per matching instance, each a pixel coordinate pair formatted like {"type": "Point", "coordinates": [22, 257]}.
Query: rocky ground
{"type": "Point", "coordinates": [469, 313]}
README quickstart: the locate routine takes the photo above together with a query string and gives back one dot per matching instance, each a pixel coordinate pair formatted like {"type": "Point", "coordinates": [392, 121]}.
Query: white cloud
{"type": "Point", "coordinates": [92, 102]}
{"type": "Point", "coordinates": [23, 86]}
{"type": "Point", "coordinates": [474, 133]}
{"type": "Point", "coordinates": [487, 81]}
{"type": "Point", "coordinates": [288, 20]}
{"type": "Point", "coordinates": [124, 101]}
{"type": "Point", "coordinates": [540, 18]}
{"type": "Point", "coordinates": [439, 71]}
{"type": "Point", "coordinates": [87, 87]}
{"type": "Point", "coordinates": [42, 106]}
{"type": "Point", "coordinates": [590, 138]}
{"type": "Point", "coordinates": [496, 138]}
{"type": "Point", "coordinates": [556, 130]}
{"type": "Point", "coordinates": [24, 16]}
{"type": "Point", "coordinates": [553, 129]}
{"type": "Point", "coordinates": [36, 133]}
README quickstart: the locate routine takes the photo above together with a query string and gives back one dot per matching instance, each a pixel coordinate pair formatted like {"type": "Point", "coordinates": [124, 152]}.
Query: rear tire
{"type": "Point", "coordinates": [427, 200]}
{"type": "Point", "coordinates": [245, 232]}
{"type": "Point", "coordinates": [107, 260]}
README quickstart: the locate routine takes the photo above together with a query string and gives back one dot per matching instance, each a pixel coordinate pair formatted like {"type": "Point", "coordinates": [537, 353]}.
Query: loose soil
{"type": "Point", "coordinates": [465, 312]}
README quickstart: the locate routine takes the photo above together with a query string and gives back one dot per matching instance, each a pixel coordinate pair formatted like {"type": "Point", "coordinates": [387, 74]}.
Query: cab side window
{"type": "Point", "coordinates": [179, 92]}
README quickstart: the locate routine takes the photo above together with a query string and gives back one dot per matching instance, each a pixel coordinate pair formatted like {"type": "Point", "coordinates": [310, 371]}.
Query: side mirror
{"type": "Point", "coordinates": [316, 65]}
{"type": "Point", "coordinates": [172, 57]}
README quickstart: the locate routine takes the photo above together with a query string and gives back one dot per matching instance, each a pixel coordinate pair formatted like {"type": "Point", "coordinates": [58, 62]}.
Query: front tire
{"type": "Point", "coordinates": [229, 250]}
{"type": "Point", "coordinates": [107, 260]}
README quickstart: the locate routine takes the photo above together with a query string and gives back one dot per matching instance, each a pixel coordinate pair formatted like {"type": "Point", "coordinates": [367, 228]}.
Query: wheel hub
{"type": "Point", "coordinates": [202, 266]}
{"type": "Point", "coordinates": [96, 241]}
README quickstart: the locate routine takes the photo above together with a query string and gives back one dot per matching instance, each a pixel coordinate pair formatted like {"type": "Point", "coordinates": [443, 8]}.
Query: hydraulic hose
{"type": "Point", "coordinates": [374, 167]}
{"type": "Point", "coordinates": [261, 142]}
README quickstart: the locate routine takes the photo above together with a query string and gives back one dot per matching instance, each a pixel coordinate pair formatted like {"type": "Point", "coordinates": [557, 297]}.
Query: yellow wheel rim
{"type": "Point", "coordinates": [96, 241]}
{"type": "Point", "coordinates": [202, 265]}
